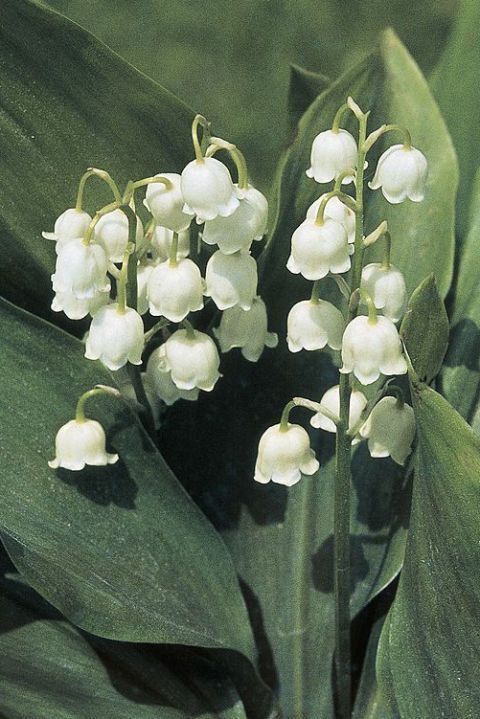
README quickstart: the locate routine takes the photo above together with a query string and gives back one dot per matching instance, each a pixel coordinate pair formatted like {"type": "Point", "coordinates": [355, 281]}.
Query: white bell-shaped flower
{"type": "Point", "coordinates": [335, 210]}
{"type": "Point", "coordinates": [166, 202]}
{"type": "Point", "coordinates": [319, 249]}
{"type": "Point", "coordinates": [372, 348]}
{"type": "Point", "coordinates": [81, 442]}
{"type": "Point", "coordinates": [312, 324]}
{"type": "Point", "coordinates": [192, 358]}
{"type": "Point", "coordinates": [70, 225]}
{"type": "Point", "coordinates": [401, 172]}
{"type": "Point", "coordinates": [238, 230]}
{"type": "Point", "coordinates": [161, 379]}
{"type": "Point", "coordinates": [390, 430]}
{"type": "Point", "coordinates": [174, 289]}
{"type": "Point", "coordinates": [144, 270]}
{"type": "Point", "coordinates": [208, 190]}
{"type": "Point", "coordinates": [284, 454]}
{"type": "Point", "coordinates": [116, 337]}
{"type": "Point", "coordinates": [333, 152]}
{"type": "Point", "coordinates": [162, 239]}
{"type": "Point", "coordinates": [111, 232]}
{"type": "Point", "coordinates": [331, 402]}
{"type": "Point", "coordinates": [386, 286]}
{"type": "Point", "coordinates": [81, 269]}
{"type": "Point", "coordinates": [231, 280]}
{"type": "Point", "coordinates": [76, 309]}
{"type": "Point", "coordinates": [247, 330]}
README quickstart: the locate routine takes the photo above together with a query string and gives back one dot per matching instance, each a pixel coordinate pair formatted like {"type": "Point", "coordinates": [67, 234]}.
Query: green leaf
{"type": "Point", "coordinates": [461, 372]}
{"type": "Point", "coordinates": [425, 330]}
{"type": "Point", "coordinates": [303, 88]}
{"type": "Point", "coordinates": [121, 550]}
{"type": "Point", "coordinates": [68, 102]}
{"type": "Point", "coordinates": [51, 670]}
{"type": "Point", "coordinates": [434, 635]}
{"type": "Point", "coordinates": [455, 86]}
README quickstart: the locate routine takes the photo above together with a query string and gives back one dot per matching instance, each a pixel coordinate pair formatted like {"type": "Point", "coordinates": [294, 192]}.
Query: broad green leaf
{"type": "Point", "coordinates": [303, 88]}
{"type": "Point", "coordinates": [424, 330]}
{"type": "Point", "coordinates": [434, 634]}
{"type": "Point", "coordinates": [49, 669]}
{"type": "Point", "coordinates": [460, 378]}
{"type": "Point", "coordinates": [121, 551]}
{"type": "Point", "coordinates": [455, 86]}
{"type": "Point", "coordinates": [68, 102]}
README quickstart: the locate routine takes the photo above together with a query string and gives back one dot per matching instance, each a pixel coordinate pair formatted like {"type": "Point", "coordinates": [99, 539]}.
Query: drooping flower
{"type": "Point", "coordinates": [81, 442]}
{"type": "Point", "coordinates": [111, 232]}
{"type": "Point", "coordinates": [192, 359]}
{"type": "Point", "coordinates": [401, 172]}
{"type": "Point", "coordinates": [284, 454]}
{"type": "Point", "coordinates": [318, 249]}
{"type": "Point", "coordinates": [333, 152]}
{"type": "Point", "coordinates": [81, 269]}
{"type": "Point", "coordinates": [70, 225]}
{"type": "Point", "coordinates": [372, 348]}
{"type": "Point", "coordinates": [116, 336]}
{"type": "Point", "coordinates": [174, 289]}
{"type": "Point", "coordinates": [312, 324]}
{"type": "Point", "coordinates": [76, 309]}
{"type": "Point", "coordinates": [165, 202]}
{"type": "Point", "coordinates": [390, 430]}
{"type": "Point", "coordinates": [335, 209]}
{"type": "Point", "coordinates": [331, 401]}
{"type": "Point", "coordinates": [144, 270]}
{"type": "Point", "coordinates": [386, 286]}
{"type": "Point", "coordinates": [208, 190]}
{"type": "Point", "coordinates": [247, 330]}
{"type": "Point", "coordinates": [161, 379]}
{"type": "Point", "coordinates": [231, 280]}
{"type": "Point", "coordinates": [237, 231]}
{"type": "Point", "coordinates": [162, 239]}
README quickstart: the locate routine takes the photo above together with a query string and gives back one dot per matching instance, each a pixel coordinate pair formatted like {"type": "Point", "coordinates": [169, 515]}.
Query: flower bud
{"type": "Point", "coordinates": [208, 190]}
{"type": "Point", "coordinates": [247, 330]}
{"type": "Point", "coordinates": [162, 239]}
{"type": "Point", "coordinates": [401, 172]}
{"type": "Point", "coordinates": [115, 337]}
{"type": "Point", "coordinates": [166, 202]}
{"type": "Point", "coordinates": [175, 289]}
{"type": "Point", "coordinates": [70, 225]}
{"type": "Point", "coordinates": [312, 324]}
{"type": "Point", "coordinates": [335, 210]}
{"type": "Point", "coordinates": [370, 348]}
{"type": "Point", "coordinates": [161, 379]}
{"type": "Point", "coordinates": [111, 232]}
{"type": "Point", "coordinates": [231, 280]}
{"type": "Point", "coordinates": [386, 287]}
{"type": "Point", "coordinates": [319, 249]}
{"type": "Point", "coordinates": [76, 309]}
{"type": "Point", "coordinates": [81, 269]}
{"type": "Point", "coordinates": [192, 358]}
{"type": "Point", "coordinates": [390, 430]}
{"type": "Point", "coordinates": [284, 455]}
{"type": "Point", "coordinates": [331, 401]}
{"type": "Point", "coordinates": [332, 153]}
{"type": "Point", "coordinates": [238, 230]}
{"type": "Point", "coordinates": [79, 443]}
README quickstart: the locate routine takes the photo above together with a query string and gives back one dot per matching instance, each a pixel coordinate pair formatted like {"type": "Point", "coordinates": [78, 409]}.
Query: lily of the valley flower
{"type": "Point", "coordinates": [174, 289]}
{"type": "Point", "coordinates": [231, 280]}
{"type": "Point", "coordinates": [76, 309]}
{"type": "Point", "coordinates": [318, 249]}
{"type": "Point", "coordinates": [371, 348]}
{"type": "Point", "coordinates": [70, 225]}
{"type": "Point", "coordinates": [165, 202]}
{"type": "Point", "coordinates": [161, 379]}
{"type": "Point", "coordinates": [386, 286]}
{"type": "Point", "coordinates": [333, 152]}
{"type": "Point", "coordinates": [208, 190]}
{"type": "Point", "coordinates": [238, 230]}
{"type": "Point", "coordinates": [331, 401]}
{"type": "Point", "coordinates": [284, 454]}
{"type": "Point", "coordinates": [162, 239]}
{"type": "Point", "coordinates": [312, 324]}
{"type": "Point", "coordinates": [390, 430]}
{"type": "Point", "coordinates": [116, 337]}
{"type": "Point", "coordinates": [144, 270]}
{"type": "Point", "coordinates": [247, 330]}
{"type": "Point", "coordinates": [111, 232]}
{"type": "Point", "coordinates": [81, 269]}
{"type": "Point", "coordinates": [81, 442]}
{"type": "Point", "coordinates": [401, 172]}
{"type": "Point", "coordinates": [192, 358]}
{"type": "Point", "coordinates": [336, 210]}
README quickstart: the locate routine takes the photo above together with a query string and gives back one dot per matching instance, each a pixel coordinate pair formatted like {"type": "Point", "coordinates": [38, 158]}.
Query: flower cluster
{"type": "Point", "coordinates": [117, 269]}
{"type": "Point", "coordinates": [330, 242]}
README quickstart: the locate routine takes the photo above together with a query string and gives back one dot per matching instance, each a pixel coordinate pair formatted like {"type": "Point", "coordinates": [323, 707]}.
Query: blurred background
{"type": "Point", "coordinates": [230, 60]}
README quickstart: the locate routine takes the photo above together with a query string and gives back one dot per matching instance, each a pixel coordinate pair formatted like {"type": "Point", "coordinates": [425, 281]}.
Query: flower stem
{"type": "Point", "coordinates": [80, 411]}
{"type": "Point", "coordinates": [102, 175]}
{"type": "Point", "coordinates": [198, 120]}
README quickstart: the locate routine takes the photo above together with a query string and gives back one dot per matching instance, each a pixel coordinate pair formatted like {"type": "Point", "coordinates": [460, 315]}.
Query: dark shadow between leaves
{"type": "Point", "coordinates": [322, 564]}
{"type": "Point", "coordinates": [266, 661]}
{"type": "Point", "coordinates": [464, 346]}
{"type": "Point", "coordinates": [103, 485]}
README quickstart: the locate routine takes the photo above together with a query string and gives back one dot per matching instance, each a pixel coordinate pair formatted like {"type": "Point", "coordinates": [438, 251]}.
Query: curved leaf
{"type": "Point", "coordinates": [304, 86]}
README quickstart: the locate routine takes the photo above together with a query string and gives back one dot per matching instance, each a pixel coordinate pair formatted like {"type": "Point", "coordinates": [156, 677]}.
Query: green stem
{"type": "Point", "coordinates": [98, 215]}
{"type": "Point", "coordinates": [388, 251]}
{"type": "Point", "coordinates": [376, 134]}
{"type": "Point", "coordinates": [314, 297]}
{"type": "Point", "coordinates": [123, 280]}
{"type": "Point", "coordinates": [156, 328]}
{"type": "Point", "coordinates": [285, 415]}
{"type": "Point", "coordinates": [339, 116]}
{"type": "Point", "coordinates": [190, 329]}
{"type": "Point", "coordinates": [346, 199]}
{"type": "Point", "coordinates": [102, 175]}
{"type": "Point", "coordinates": [198, 120]}
{"type": "Point", "coordinates": [237, 156]}
{"type": "Point", "coordinates": [80, 410]}
{"type": "Point", "coordinates": [172, 255]}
